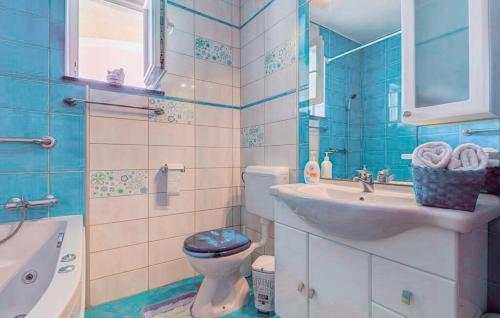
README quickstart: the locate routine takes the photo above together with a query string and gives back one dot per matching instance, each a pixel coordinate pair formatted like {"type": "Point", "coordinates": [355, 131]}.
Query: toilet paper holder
{"type": "Point", "coordinates": [165, 169]}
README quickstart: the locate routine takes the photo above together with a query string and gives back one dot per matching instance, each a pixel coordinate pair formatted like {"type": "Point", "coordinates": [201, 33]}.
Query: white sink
{"type": "Point", "coordinates": [344, 210]}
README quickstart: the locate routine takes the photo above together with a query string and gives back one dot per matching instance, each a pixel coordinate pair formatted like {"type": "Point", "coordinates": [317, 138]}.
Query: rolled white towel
{"type": "Point", "coordinates": [432, 155]}
{"type": "Point", "coordinates": [468, 157]}
{"type": "Point", "coordinates": [492, 154]}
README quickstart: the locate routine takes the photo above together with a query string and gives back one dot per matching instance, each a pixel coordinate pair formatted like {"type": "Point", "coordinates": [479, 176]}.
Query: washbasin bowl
{"type": "Point", "coordinates": [344, 210]}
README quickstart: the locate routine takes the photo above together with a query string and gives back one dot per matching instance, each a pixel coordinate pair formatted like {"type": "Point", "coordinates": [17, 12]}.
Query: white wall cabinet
{"type": "Point", "coordinates": [451, 60]}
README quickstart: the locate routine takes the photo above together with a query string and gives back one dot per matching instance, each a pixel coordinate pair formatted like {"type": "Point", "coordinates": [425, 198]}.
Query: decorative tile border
{"type": "Point", "coordinates": [174, 111]}
{"type": "Point", "coordinates": [212, 51]}
{"type": "Point", "coordinates": [116, 183]}
{"type": "Point", "coordinates": [252, 136]}
{"type": "Point", "coordinates": [280, 57]}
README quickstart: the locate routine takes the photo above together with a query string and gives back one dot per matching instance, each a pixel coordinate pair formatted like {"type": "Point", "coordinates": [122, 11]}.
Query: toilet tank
{"type": "Point", "coordinates": [258, 180]}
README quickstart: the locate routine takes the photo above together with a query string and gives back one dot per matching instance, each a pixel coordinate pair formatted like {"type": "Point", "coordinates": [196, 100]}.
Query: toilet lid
{"type": "Point", "coordinates": [216, 243]}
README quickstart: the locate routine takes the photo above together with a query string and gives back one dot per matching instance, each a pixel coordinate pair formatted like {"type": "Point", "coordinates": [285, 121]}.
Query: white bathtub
{"type": "Point", "coordinates": [34, 251]}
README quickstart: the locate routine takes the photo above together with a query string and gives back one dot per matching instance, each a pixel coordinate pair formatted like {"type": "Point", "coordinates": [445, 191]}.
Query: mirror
{"type": "Point", "coordinates": [354, 87]}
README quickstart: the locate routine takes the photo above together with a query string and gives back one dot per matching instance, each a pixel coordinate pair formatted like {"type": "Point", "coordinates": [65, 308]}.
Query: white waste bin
{"type": "Point", "coordinates": [263, 284]}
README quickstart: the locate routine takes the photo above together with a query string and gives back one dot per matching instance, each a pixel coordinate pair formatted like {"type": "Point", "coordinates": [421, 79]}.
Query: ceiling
{"type": "Point", "coordinates": [360, 20]}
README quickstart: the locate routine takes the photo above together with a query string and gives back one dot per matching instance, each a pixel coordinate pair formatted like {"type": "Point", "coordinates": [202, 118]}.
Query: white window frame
{"type": "Point", "coordinates": [155, 37]}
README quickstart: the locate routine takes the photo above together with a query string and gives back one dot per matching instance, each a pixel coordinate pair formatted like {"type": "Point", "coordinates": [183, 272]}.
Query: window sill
{"type": "Point", "coordinates": [108, 87]}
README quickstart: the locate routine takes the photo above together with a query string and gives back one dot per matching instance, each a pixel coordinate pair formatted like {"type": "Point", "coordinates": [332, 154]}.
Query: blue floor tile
{"type": "Point", "coordinates": [131, 307]}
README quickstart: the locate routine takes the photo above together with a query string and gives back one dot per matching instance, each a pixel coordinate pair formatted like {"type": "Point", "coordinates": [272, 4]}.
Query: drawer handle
{"type": "Point", "coordinates": [311, 293]}
{"type": "Point", "coordinates": [300, 288]}
{"type": "Point", "coordinates": [406, 297]}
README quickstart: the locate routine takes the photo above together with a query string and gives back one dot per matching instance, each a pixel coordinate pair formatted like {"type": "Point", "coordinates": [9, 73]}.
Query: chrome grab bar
{"type": "Point", "coordinates": [45, 142]}
{"type": "Point", "coordinates": [74, 101]}
{"type": "Point", "coordinates": [17, 203]}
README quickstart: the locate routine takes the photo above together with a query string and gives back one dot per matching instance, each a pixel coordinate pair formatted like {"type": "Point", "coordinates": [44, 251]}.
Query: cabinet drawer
{"type": "Point", "coordinates": [381, 312]}
{"type": "Point", "coordinates": [431, 296]}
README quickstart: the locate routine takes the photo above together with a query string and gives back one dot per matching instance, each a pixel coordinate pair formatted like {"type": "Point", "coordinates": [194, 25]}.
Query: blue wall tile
{"type": "Point", "coordinates": [24, 27]}
{"type": "Point", "coordinates": [24, 60]}
{"type": "Point", "coordinates": [23, 157]}
{"type": "Point", "coordinates": [58, 92]}
{"type": "Point", "coordinates": [25, 94]}
{"type": "Point", "coordinates": [38, 7]}
{"type": "Point", "coordinates": [31, 106]}
{"type": "Point", "coordinates": [69, 188]}
{"type": "Point", "coordinates": [69, 130]}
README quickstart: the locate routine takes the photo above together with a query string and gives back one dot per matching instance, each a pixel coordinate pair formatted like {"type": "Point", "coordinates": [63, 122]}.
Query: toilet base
{"type": "Point", "coordinates": [217, 297]}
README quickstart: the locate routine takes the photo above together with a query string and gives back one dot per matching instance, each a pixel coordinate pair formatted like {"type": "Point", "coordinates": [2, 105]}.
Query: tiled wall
{"type": "Point", "coordinates": [136, 232]}
{"type": "Point", "coordinates": [31, 93]}
{"type": "Point", "coordinates": [268, 91]}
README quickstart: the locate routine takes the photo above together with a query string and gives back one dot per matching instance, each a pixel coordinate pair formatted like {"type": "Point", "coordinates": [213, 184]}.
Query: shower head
{"type": "Point", "coordinates": [353, 97]}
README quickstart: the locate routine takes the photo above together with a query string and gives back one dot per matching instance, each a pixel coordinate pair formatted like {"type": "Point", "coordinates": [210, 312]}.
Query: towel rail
{"type": "Point", "coordinates": [74, 101]}
{"type": "Point", "coordinates": [45, 142]}
{"type": "Point", "coordinates": [470, 132]}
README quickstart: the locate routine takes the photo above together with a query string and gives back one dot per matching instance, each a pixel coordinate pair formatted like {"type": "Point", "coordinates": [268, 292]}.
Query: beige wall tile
{"type": "Point", "coordinates": [117, 98]}
{"type": "Point", "coordinates": [165, 134]}
{"type": "Point", "coordinates": [169, 272]}
{"type": "Point", "coordinates": [118, 260]}
{"type": "Point", "coordinates": [118, 131]}
{"type": "Point", "coordinates": [118, 286]}
{"type": "Point", "coordinates": [213, 219]}
{"type": "Point", "coordinates": [214, 157]}
{"type": "Point", "coordinates": [166, 250]}
{"type": "Point", "coordinates": [160, 155]}
{"type": "Point", "coordinates": [116, 209]}
{"type": "Point", "coordinates": [117, 157]}
{"type": "Point", "coordinates": [214, 137]}
{"type": "Point", "coordinates": [160, 204]}
{"type": "Point", "coordinates": [113, 235]}
{"type": "Point", "coordinates": [214, 116]}
{"type": "Point", "coordinates": [171, 226]}
{"type": "Point", "coordinates": [213, 178]}
{"type": "Point", "coordinates": [210, 199]}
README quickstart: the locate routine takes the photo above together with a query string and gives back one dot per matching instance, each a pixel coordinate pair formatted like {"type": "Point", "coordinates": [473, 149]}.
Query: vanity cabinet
{"type": "Point", "coordinates": [425, 272]}
{"type": "Point", "coordinates": [451, 60]}
{"type": "Point", "coordinates": [303, 289]}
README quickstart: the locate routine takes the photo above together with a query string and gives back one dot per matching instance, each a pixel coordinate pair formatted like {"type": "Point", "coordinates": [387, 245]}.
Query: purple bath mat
{"type": "Point", "coordinates": [178, 307]}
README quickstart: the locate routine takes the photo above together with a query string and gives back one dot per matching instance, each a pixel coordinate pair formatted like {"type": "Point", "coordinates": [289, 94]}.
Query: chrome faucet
{"type": "Point", "coordinates": [17, 203]}
{"type": "Point", "coordinates": [365, 177]}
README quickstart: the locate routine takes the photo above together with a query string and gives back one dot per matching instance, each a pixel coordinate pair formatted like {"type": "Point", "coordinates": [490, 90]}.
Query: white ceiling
{"type": "Point", "coordinates": [360, 20]}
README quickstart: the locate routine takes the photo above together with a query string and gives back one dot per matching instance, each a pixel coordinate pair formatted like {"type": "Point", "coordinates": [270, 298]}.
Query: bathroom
{"type": "Point", "coordinates": [169, 158]}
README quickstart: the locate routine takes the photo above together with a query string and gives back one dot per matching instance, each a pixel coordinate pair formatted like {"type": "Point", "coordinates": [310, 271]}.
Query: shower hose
{"type": "Point", "coordinates": [23, 218]}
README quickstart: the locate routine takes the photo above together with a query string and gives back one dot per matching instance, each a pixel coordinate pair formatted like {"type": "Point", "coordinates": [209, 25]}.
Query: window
{"type": "Point", "coordinates": [316, 77]}
{"type": "Point", "coordinates": [106, 35]}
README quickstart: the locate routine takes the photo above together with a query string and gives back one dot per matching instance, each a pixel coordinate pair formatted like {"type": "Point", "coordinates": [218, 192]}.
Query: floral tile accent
{"type": "Point", "coordinates": [280, 57]}
{"type": "Point", "coordinates": [252, 136]}
{"type": "Point", "coordinates": [209, 50]}
{"type": "Point", "coordinates": [174, 112]}
{"type": "Point", "coordinates": [116, 183]}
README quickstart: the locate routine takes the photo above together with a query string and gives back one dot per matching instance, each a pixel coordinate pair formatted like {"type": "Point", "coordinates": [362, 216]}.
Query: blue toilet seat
{"type": "Point", "coordinates": [216, 243]}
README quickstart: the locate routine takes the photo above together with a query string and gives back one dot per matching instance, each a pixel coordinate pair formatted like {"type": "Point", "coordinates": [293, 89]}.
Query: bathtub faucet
{"type": "Point", "coordinates": [17, 203]}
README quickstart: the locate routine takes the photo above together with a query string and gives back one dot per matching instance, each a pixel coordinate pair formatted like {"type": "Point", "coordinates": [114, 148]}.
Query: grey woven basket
{"type": "Point", "coordinates": [449, 189]}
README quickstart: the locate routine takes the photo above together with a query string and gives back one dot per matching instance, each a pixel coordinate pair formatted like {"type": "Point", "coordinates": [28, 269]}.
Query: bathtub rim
{"type": "Point", "coordinates": [63, 287]}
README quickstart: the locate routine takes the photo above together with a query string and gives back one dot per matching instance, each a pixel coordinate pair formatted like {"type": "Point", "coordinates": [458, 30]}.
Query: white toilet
{"type": "Point", "coordinates": [218, 254]}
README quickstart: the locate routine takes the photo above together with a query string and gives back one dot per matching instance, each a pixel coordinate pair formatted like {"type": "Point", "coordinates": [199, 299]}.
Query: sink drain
{"type": "Point", "coordinates": [28, 278]}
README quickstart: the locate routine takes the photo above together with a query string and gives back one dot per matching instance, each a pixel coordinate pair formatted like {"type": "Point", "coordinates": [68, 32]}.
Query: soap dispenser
{"type": "Point", "coordinates": [311, 170]}
{"type": "Point", "coordinates": [326, 167]}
